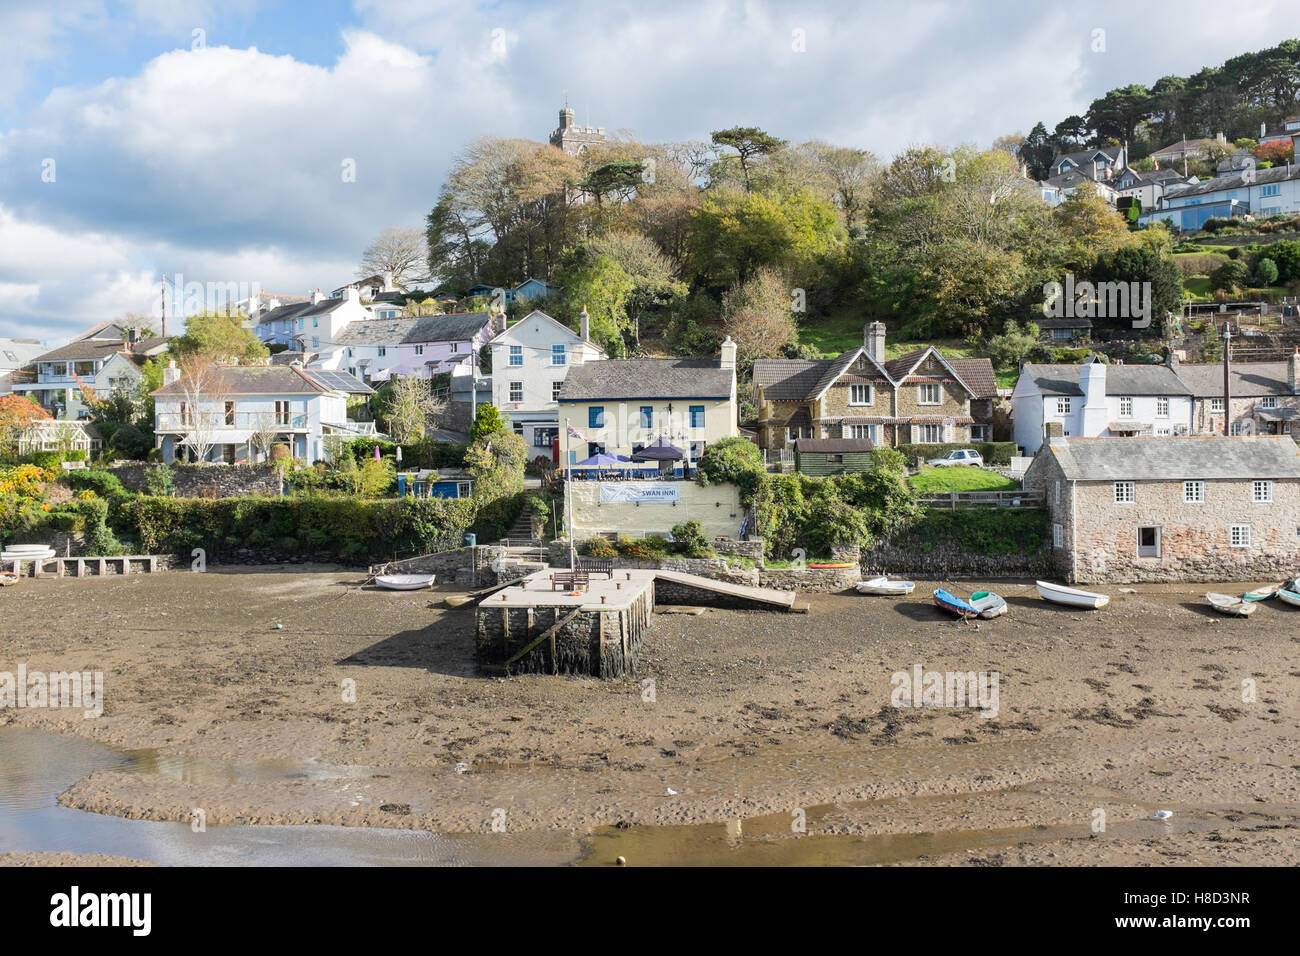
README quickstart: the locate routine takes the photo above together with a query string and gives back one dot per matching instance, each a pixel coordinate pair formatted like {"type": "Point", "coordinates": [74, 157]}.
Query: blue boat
{"type": "Point", "coordinates": [954, 604]}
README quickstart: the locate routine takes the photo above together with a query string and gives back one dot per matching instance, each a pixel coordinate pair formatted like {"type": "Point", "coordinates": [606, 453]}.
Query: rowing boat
{"type": "Point", "coordinates": [953, 604]}
{"type": "Point", "coordinates": [1231, 604]}
{"type": "Point", "coordinates": [1071, 597]}
{"type": "Point", "coordinates": [883, 585]}
{"type": "Point", "coordinates": [1262, 594]}
{"type": "Point", "coordinates": [404, 582]}
{"type": "Point", "coordinates": [1289, 596]}
{"type": "Point", "coordinates": [988, 604]}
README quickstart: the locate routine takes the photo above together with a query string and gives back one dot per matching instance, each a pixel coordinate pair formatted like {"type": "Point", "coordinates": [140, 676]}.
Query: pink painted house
{"type": "Point", "coordinates": [375, 350]}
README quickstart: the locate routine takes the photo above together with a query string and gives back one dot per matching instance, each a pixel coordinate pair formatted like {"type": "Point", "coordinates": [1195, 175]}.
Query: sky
{"type": "Point", "coordinates": [267, 142]}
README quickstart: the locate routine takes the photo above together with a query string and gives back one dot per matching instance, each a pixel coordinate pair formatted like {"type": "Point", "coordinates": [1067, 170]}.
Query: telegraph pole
{"type": "Point", "coordinates": [1227, 387]}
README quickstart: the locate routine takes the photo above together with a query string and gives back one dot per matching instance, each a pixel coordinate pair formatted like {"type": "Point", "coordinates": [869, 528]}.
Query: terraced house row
{"type": "Point", "coordinates": [920, 397]}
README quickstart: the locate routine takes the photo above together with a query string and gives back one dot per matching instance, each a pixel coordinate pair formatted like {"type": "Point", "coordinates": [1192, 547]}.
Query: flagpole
{"type": "Point", "coordinates": [568, 492]}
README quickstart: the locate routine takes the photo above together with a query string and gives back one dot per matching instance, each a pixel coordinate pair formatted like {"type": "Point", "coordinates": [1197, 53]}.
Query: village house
{"type": "Point", "coordinates": [15, 356]}
{"type": "Point", "coordinates": [920, 397]}
{"type": "Point", "coordinates": [621, 406]}
{"type": "Point", "coordinates": [1201, 508]}
{"type": "Point", "coordinates": [220, 415]}
{"type": "Point", "coordinates": [530, 361]}
{"type": "Point", "coordinates": [376, 350]}
{"type": "Point", "coordinates": [105, 358]}
{"type": "Point", "coordinates": [311, 324]}
{"type": "Point", "coordinates": [1099, 164]}
{"type": "Point", "coordinates": [1096, 400]}
{"type": "Point", "coordinates": [1258, 192]}
{"type": "Point", "coordinates": [1265, 397]}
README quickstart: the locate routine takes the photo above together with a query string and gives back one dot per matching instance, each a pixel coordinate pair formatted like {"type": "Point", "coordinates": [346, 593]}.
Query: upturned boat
{"type": "Point", "coordinates": [953, 604]}
{"type": "Point", "coordinates": [1071, 597]}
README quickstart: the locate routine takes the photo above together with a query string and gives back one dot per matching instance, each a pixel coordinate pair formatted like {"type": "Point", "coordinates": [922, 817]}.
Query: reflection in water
{"type": "Point", "coordinates": [36, 766]}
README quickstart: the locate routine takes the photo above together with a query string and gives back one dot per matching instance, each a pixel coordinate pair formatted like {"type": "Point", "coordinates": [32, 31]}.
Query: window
{"type": "Point", "coordinates": [647, 416]}
{"type": "Point", "coordinates": [1272, 189]}
{"type": "Point", "coordinates": [300, 325]}
{"type": "Point", "coordinates": [596, 416]}
{"type": "Point", "coordinates": [516, 391]}
{"type": "Point", "coordinates": [930, 434]}
{"type": "Point", "coordinates": [928, 394]}
{"type": "Point", "coordinates": [697, 416]}
{"type": "Point", "coordinates": [1125, 494]}
{"type": "Point", "coordinates": [1056, 536]}
{"type": "Point", "coordinates": [859, 394]}
{"type": "Point", "coordinates": [516, 355]}
{"type": "Point", "coordinates": [1162, 407]}
{"type": "Point", "coordinates": [1193, 492]}
{"type": "Point", "coordinates": [1057, 493]}
{"type": "Point", "coordinates": [230, 413]}
{"type": "Point", "coordinates": [1236, 428]}
{"type": "Point", "coordinates": [349, 351]}
{"type": "Point", "coordinates": [315, 341]}
{"type": "Point", "coordinates": [1062, 406]}
{"type": "Point", "coordinates": [796, 432]}
{"type": "Point", "coordinates": [1216, 404]}
{"type": "Point", "coordinates": [1239, 535]}
{"type": "Point", "coordinates": [315, 322]}
{"type": "Point", "coordinates": [1269, 401]}
{"type": "Point", "coordinates": [455, 347]}
{"type": "Point", "coordinates": [863, 431]}
{"type": "Point", "coordinates": [419, 350]}
{"type": "Point", "coordinates": [697, 450]}
{"type": "Point", "coordinates": [1125, 407]}
{"type": "Point", "coordinates": [282, 413]}
{"type": "Point", "coordinates": [557, 354]}
{"type": "Point", "coordinates": [383, 350]}
{"type": "Point", "coordinates": [1261, 492]}
{"type": "Point", "coordinates": [834, 459]}
{"type": "Point", "coordinates": [1149, 542]}
{"type": "Point", "coordinates": [544, 437]}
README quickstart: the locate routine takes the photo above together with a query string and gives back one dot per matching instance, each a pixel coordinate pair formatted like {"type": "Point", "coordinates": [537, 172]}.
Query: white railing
{"type": "Point", "coordinates": [218, 420]}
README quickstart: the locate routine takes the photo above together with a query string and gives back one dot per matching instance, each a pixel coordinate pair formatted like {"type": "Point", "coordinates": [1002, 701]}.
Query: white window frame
{"type": "Point", "coordinates": [1162, 406]}
{"type": "Point", "coordinates": [923, 389]}
{"type": "Point", "coordinates": [1261, 491]}
{"type": "Point", "coordinates": [559, 352]}
{"type": "Point", "coordinates": [1268, 401]}
{"type": "Point", "coordinates": [555, 390]}
{"type": "Point", "coordinates": [1239, 535]}
{"type": "Point", "coordinates": [1126, 406]}
{"type": "Point", "coordinates": [1235, 429]}
{"type": "Point", "coordinates": [854, 391]}
{"type": "Point", "coordinates": [923, 429]}
{"type": "Point", "coordinates": [1062, 406]}
{"type": "Point", "coordinates": [515, 357]}
{"type": "Point", "coordinates": [513, 389]}
{"type": "Point", "coordinates": [1194, 492]}
{"type": "Point", "coordinates": [1125, 492]}
{"type": "Point", "coordinates": [1058, 538]}
{"type": "Point", "coordinates": [1216, 405]}
{"type": "Point", "coordinates": [1058, 492]}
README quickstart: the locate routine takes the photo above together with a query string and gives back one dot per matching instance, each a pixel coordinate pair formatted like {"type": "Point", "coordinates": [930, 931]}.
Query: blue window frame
{"type": "Point", "coordinates": [596, 416]}
{"type": "Point", "coordinates": [557, 354]}
{"type": "Point", "coordinates": [697, 416]}
{"type": "Point", "coordinates": [1273, 189]}
{"type": "Point", "coordinates": [647, 416]}
{"type": "Point", "coordinates": [516, 355]}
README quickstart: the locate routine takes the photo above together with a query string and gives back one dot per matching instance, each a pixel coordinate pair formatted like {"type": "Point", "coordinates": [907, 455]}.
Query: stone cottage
{"type": "Point", "coordinates": [1198, 508]}
{"type": "Point", "coordinates": [1265, 397]}
{"type": "Point", "coordinates": [920, 397]}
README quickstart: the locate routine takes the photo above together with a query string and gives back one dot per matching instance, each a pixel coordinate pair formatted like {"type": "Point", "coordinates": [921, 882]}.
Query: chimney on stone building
{"type": "Point", "coordinates": [1293, 372]}
{"type": "Point", "coordinates": [873, 339]}
{"type": "Point", "coordinates": [584, 325]}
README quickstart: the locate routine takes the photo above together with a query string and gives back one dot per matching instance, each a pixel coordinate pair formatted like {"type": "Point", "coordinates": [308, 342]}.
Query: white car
{"type": "Point", "coordinates": [960, 456]}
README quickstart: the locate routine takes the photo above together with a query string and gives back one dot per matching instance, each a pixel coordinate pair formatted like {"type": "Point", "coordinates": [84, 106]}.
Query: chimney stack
{"type": "Point", "coordinates": [388, 281]}
{"type": "Point", "coordinates": [873, 339]}
{"type": "Point", "coordinates": [351, 294]}
{"type": "Point", "coordinates": [1293, 372]}
{"type": "Point", "coordinates": [316, 297]}
{"type": "Point", "coordinates": [584, 325]}
{"type": "Point", "coordinates": [171, 373]}
{"type": "Point", "coordinates": [728, 354]}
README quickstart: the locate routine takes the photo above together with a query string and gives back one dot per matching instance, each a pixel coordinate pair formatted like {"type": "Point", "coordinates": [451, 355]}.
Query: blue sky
{"type": "Point", "coordinates": [221, 159]}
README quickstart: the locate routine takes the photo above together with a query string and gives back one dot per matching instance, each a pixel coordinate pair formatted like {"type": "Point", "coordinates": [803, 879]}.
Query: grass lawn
{"type": "Point", "coordinates": [934, 481]}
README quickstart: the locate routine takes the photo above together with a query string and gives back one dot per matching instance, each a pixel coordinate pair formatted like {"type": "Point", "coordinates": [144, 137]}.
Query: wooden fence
{"type": "Point", "coordinates": [953, 500]}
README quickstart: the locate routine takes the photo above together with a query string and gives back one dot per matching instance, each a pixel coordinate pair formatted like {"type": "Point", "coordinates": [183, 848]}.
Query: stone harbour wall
{"type": "Point", "coordinates": [205, 481]}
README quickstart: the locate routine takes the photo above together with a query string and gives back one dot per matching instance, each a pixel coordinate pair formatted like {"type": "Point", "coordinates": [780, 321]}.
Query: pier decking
{"type": "Point", "coordinates": [82, 567]}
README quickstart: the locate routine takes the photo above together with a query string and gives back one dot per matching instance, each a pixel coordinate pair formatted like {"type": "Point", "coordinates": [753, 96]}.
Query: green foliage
{"type": "Point", "coordinates": [1265, 272]}
{"type": "Point", "coordinates": [1013, 346]}
{"type": "Point", "coordinates": [218, 337]}
{"type": "Point", "coordinates": [487, 421]}
{"type": "Point", "coordinates": [159, 480]}
{"type": "Point", "coordinates": [1233, 274]}
{"type": "Point", "coordinates": [735, 460]}
{"type": "Point", "coordinates": [690, 539]}
{"type": "Point", "coordinates": [987, 531]}
{"type": "Point", "coordinates": [327, 528]}
{"type": "Point", "coordinates": [598, 548]}
{"type": "Point", "coordinates": [993, 452]}
{"type": "Point", "coordinates": [935, 481]}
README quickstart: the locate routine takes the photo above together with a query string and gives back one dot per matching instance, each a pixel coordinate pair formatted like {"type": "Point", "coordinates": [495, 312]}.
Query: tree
{"type": "Point", "coordinates": [17, 416]}
{"type": "Point", "coordinates": [401, 250]}
{"type": "Point", "coordinates": [261, 438]}
{"type": "Point", "coordinates": [218, 337]}
{"type": "Point", "coordinates": [748, 142]}
{"type": "Point", "coordinates": [1142, 264]}
{"type": "Point", "coordinates": [1118, 113]}
{"type": "Point", "coordinates": [410, 406]}
{"type": "Point", "coordinates": [1265, 272]}
{"type": "Point", "coordinates": [487, 421]}
{"type": "Point", "coordinates": [851, 172]}
{"type": "Point", "coordinates": [203, 390]}
{"type": "Point", "coordinates": [1233, 274]}
{"type": "Point", "coordinates": [757, 314]}
{"type": "Point", "coordinates": [1013, 346]}
{"type": "Point", "coordinates": [1070, 135]}
{"type": "Point", "coordinates": [1090, 226]}
{"type": "Point", "coordinates": [1037, 152]}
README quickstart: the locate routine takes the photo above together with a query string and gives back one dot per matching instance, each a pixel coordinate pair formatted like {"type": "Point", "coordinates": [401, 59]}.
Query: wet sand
{"type": "Point", "coordinates": [758, 716]}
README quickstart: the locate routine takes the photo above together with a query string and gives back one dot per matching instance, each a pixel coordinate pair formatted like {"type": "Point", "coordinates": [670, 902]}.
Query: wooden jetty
{"type": "Point", "coordinates": [83, 567]}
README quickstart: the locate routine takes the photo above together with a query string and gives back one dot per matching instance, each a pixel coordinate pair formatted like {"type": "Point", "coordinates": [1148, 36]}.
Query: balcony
{"type": "Point", "coordinates": [216, 421]}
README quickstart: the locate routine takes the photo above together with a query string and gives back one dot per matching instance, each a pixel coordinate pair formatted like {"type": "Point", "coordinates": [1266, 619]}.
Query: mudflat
{"type": "Point", "coordinates": [270, 696]}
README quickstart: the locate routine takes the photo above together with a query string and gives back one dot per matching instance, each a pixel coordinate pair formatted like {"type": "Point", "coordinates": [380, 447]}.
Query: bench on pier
{"type": "Point", "coordinates": [570, 580]}
{"type": "Point", "coordinates": [597, 566]}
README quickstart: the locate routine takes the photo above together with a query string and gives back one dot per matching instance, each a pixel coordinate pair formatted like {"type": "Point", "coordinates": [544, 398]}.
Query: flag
{"type": "Point", "coordinates": [574, 433]}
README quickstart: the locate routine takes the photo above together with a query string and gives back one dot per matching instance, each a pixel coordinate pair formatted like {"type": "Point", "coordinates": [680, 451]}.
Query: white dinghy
{"type": "Point", "coordinates": [883, 585]}
{"type": "Point", "coordinates": [1071, 597]}
{"type": "Point", "coordinates": [1231, 604]}
{"type": "Point", "coordinates": [404, 582]}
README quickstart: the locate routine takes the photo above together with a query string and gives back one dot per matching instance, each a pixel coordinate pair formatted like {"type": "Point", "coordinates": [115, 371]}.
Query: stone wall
{"type": "Point", "coordinates": [716, 507]}
{"type": "Point", "coordinates": [810, 579]}
{"type": "Point", "coordinates": [716, 568]}
{"type": "Point", "coordinates": [946, 561]}
{"type": "Point", "coordinates": [205, 481]}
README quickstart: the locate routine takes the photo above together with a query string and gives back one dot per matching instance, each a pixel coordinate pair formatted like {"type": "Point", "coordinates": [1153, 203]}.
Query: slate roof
{"type": "Point", "coordinates": [789, 379]}
{"type": "Point", "coordinates": [832, 446]}
{"type": "Point", "coordinates": [1248, 379]}
{"type": "Point", "coordinates": [1259, 177]}
{"type": "Point", "coordinates": [628, 379]}
{"type": "Point", "coordinates": [800, 379]}
{"type": "Point", "coordinates": [1177, 458]}
{"type": "Point", "coordinates": [273, 380]}
{"type": "Point", "coordinates": [1047, 324]}
{"type": "Point", "coordinates": [453, 327]}
{"type": "Point", "coordinates": [1120, 380]}
{"type": "Point", "coordinates": [101, 346]}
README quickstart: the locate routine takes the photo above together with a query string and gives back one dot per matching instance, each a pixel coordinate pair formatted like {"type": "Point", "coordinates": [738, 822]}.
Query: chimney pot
{"type": "Point", "coordinates": [584, 325]}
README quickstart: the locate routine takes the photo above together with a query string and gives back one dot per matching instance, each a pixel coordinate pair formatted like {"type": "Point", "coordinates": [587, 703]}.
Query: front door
{"type": "Point", "coordinates": [1148, 542]}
